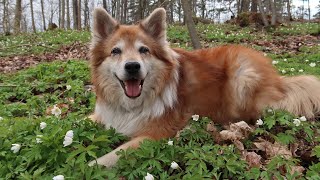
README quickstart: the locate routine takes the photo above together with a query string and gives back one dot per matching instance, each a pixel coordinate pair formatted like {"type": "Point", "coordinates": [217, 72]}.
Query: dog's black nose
{"type": "Point", "coordinates": [132, 67]}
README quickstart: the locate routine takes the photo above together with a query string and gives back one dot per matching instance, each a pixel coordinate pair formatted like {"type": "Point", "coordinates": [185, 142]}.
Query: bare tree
{"type": "Point", "coordinates": [104, 2]}
{"type": "Point", "coordinates": [32, 17]}
{"type": "Point", "coordinates": [245, 4]}
{"type": "Point", "coordinates": [75, 13]}
{"type": "Point", "coordinates": [289, 10]}
{"type": "Point", "coordinates": [274, 12]}
{"type": "Point", "coordinates": [68, 15]}
{"type": "Point", "coordinates": [190, 24]}
{"type": "Point", "coordinates": [5, 18]}
{"type": "Point", "coordinates": [86, 14]}
{"type": "Point", "coordinates": [43, 17]}
{"type": "Point", "coordinates": [79, 15]}
{"type": "Point", "coordinates": [124, 9]}
{"type": "Point", "coordinates": [254, 6]}
{"type": "Point", "coordinates": [17, 17]}
{"type": "Point", "coordinates": [63, 13]}
{"type": "Point", "coordinates": [263, 14]}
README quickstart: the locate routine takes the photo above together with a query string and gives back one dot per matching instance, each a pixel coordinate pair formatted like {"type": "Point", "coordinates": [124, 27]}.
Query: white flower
{"type": "Point", "coordinates": [68, 87]}
{"type": "Point", "coordinates": [306, 60]}
{"type": "Point", "coordinates": [270, 110]}
{"type": "Point", "coordinates": [149, 177]}
{"type": "Point", "coordinates": [174, 165]}
{"type": "Point", "coordinates": [301, 70]}
{"type": "Point", "coordinates": [59, 177]}
{"type": "Point", "coordinates": [297, 122]}
{"type": "Point", "coordinates": [259, 122]}
{"type": "Point", "coordinates": [69, 134]}
{"type": "Point", "coordinates": [39, 139]}
{"type": "Point", "coordinates": [265, 54]}
{"type": "Point", "coordinates": [56, 111]}
{"type": "Point", "coordinates": [303, 118]}
{"type": "Point", "coordinates": [68, 138]}
{"type": "Point", "coordinates": [15, 148]}
{"type": "Point", "coordinates": [285, 60]}
{"type": "Point", "coordinates": [43, 125]}
{"type": "Point", "coordinates": [283, 71]}
{"type": "Point", "coordinates": [292, 69]}
{"type": "Point", "coordinates": [195, 117]}
{"type": "Point", "coordinates": [67, 141]}
{"type": "Point", "coordinates": [275, 62]}
{"type": "Point", "coordinates": [312, 64]}
{"type": "Point", "coordinates": [170, 143]}
{"type": "Point", "coordinates": [1, 118]}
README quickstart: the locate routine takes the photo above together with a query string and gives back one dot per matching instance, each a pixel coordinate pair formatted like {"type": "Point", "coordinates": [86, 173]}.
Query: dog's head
{"type": "Point", "coordinates": [131, 63]}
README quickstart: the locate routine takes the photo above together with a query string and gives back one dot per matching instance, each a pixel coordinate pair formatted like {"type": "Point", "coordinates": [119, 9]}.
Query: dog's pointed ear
{"type": "Point", "coordinates": [155, 25]}
{"type": "Point", "coordinates": [103, 24]}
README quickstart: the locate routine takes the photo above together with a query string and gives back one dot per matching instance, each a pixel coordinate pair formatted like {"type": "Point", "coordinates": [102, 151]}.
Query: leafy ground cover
{"type": "Point", "coordinates": [40, 105]}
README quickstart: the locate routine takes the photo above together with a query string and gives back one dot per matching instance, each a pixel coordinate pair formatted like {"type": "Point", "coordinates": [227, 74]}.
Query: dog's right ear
{"type": "Point", "coordinates": [103, 24]}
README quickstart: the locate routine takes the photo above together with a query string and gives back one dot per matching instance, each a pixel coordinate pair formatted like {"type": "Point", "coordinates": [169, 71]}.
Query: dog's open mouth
{"type": "Point", "coordinates": [132, 87]}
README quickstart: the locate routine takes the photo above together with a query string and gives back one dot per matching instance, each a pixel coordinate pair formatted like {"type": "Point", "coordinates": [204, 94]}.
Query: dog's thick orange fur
{"type": "Point", "coordinates": [228, 83]}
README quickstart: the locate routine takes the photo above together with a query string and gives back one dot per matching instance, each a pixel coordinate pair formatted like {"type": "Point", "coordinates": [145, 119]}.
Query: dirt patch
{"type": "Point", "coordinates": [288, 44]}
{"type": "Point", "coordinates": [15, 63]}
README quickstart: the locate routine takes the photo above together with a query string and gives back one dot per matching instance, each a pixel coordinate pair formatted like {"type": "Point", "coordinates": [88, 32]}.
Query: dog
{"type": "Point", "coordinates": [146, 90]}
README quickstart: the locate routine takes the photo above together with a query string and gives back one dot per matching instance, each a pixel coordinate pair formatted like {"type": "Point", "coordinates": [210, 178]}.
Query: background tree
{"type": "Point", "coordinates": [43, 17]}
{"type": "Point", "coordinates": [17, 17]}
{"type": "Point", "coordinates": [75, 13]}
{"type": "Point", "coordinates": [32, 17]}
{"type": "Point", "coordinates": [68, 14]}
{"type": "Point", "coordinates": [190, 24]}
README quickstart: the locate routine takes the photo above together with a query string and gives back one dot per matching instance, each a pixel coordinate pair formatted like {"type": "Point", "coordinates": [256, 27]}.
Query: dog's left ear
{"type": "Point", "coordinates": [155, 25]}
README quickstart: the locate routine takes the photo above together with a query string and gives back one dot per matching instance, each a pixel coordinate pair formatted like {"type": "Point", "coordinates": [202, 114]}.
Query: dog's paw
{"type": "Point", "coordinates": [108, 160]}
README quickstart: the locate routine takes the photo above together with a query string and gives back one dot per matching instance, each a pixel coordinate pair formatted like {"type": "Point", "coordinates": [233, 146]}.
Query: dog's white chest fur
{"type": "Point", "coordinates": [125, 122]}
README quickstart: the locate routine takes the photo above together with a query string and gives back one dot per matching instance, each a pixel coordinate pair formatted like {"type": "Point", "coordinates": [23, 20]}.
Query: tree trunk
{"type": "Point", "coordinates": [32, 17]}
{"type": "Point", "coordinates": [79, 14]}
{"type": "Point", "coordinates": [254, 6]}
{"type": "Point", "coordinates": [274, 13]}
{"type": "Point", "coordinates": [203, 8]}
{"type": "Point", "coordinates": [43, 17]}
{"type": "Point", "coordinates": [190, 24]}
{"type": "Point", "coordinates": [63, 13]}
{"type": "Point", "coordinates": [105, 5]}
{"type": "Point", "coordinates": [68, 14]}
{"type": "Point", "coordinates": [6, 29]}
{"type": "Point", "coordinates": [75, 13]}
{"type": "Point", "coordinates": [263, 14]}
{"type": "Point", "coordinates": [309, 13]}
{"type": "Point", "coordinates": [179, 10]}
{"type": "Point", "coordinates": [125, 9]}
{"type": "Point", "coordinates": [86, 14]}
{"type": "Point", "coordinates": [245, 6]}
{"type": "Point", "coordinates": [171, 20]}
{"type": "Point", "coordinates": [59, 14]}
{"type": "Point", "coordinates": [289, 10]}
{"type": "Point", "coordinates": [17, 17]}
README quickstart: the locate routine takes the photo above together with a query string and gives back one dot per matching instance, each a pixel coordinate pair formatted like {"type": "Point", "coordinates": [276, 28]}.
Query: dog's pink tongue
{"type": "Point", "coordinates": [133, 88]}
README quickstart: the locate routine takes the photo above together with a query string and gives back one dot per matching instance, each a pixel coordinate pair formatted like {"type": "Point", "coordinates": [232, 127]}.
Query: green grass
{"type": "Point", "coordinates": [213, 34]}
{"type": "Point", "coordinates": [48, 41]}
{"type": "Point", "coordinates": [27, 98]}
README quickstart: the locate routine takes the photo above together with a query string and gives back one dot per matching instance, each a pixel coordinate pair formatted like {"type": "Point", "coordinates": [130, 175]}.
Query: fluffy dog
{"type": "Point", "coordinates": [146, 90]}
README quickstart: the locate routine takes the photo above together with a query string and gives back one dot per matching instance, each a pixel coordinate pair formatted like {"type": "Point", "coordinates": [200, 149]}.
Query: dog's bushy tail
{"type": "Point", "coordinates": [302, 96]}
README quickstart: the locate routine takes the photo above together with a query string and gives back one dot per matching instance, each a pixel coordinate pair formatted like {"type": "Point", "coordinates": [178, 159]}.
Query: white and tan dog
{"type": "Point", "coordinates": [146, 90]}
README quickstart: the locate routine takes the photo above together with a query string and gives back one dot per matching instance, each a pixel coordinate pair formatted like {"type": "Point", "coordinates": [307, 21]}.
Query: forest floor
{"type": "Point", "coordinates": [44, 79]}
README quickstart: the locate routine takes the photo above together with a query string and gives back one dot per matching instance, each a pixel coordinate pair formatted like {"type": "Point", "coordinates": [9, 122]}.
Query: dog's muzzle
{"type": "Point", "coordinates": [133, 83]}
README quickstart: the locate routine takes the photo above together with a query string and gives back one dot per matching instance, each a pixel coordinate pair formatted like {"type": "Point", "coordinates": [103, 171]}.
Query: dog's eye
{"type": "Point", "coordinates": [143, 50]}
{"type": "Point", "coordinates": [116, 51]}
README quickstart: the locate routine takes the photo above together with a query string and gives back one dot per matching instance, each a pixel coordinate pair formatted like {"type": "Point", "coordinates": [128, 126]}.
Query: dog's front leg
{"type": "Point", "coordinates": [110, 159]}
